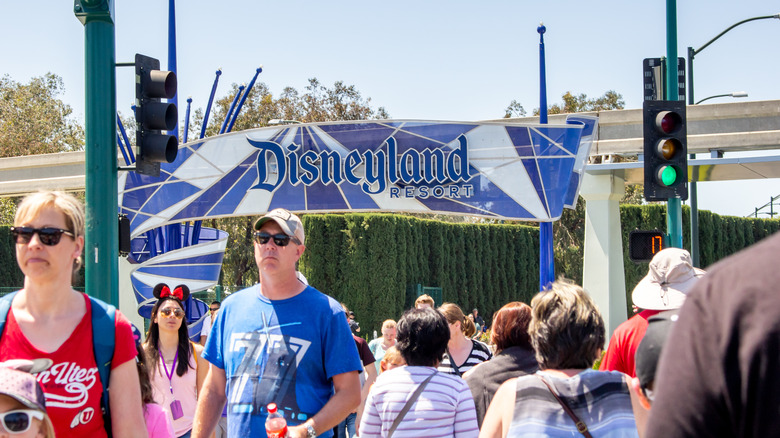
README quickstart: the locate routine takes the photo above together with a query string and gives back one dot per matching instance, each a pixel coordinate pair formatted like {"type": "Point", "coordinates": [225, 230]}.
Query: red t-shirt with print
{"type": "Point", "coordinates": [72, 384]}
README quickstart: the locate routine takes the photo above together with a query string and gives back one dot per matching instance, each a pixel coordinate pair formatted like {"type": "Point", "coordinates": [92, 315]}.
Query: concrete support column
{"type": "Point", "coordinates": [127, 302]}
{"type": "Point", "coordinates": [603, 274]}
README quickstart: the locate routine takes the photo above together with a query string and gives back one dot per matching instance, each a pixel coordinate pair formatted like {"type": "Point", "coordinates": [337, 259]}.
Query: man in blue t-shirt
{"type": "Point", "coordinates": [280, 341]}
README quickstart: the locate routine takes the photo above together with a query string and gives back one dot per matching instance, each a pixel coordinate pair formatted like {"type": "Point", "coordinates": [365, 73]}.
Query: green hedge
{"type": "Point", "coordinates": [719, 236]}
{"type": "Point", "coordinates": [369, 262]}
{"type": "Point", "coordinates": [9, 270]}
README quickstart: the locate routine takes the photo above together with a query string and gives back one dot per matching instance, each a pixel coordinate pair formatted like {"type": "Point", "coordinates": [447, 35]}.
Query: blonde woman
{"type": "Point", "coordinates": [49, 319]}
{"type": "Point", "coordinates": [462, 353]}
{"type": "Point", "coordinates": [379, 346]}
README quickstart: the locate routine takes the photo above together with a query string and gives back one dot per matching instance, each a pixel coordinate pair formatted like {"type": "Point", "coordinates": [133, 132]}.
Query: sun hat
{"type": "Point", "coordinates": [290, 223]}
{"type": "Point", "coordinates": [18, 382]}
{"type": "Point", "coordinates": [649, 350]}
{"type": "Point", "coordinates": [669, 278]}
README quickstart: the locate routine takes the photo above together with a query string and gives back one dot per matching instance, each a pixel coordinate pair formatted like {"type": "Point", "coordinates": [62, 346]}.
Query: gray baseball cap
{"type": "Point", "coordinates": [289, 223]}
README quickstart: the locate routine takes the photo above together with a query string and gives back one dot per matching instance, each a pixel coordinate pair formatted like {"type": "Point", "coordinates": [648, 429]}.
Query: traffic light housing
{"type": "Point", "coordinates": [153, 117]}
{"type": "Point", "coordinates": [665, 150]}
{"type": "Point", "coordinates": [643, 245]}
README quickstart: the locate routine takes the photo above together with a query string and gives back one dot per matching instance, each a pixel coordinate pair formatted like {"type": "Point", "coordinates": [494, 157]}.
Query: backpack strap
{"type": "Point", "coordinates": [5, 307]}
{"type": "Point", "coordinates": [103, 340]}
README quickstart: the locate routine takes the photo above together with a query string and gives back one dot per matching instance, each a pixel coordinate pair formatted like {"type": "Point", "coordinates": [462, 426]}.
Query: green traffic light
{"type": "Point", "coordinates": [667, 175]}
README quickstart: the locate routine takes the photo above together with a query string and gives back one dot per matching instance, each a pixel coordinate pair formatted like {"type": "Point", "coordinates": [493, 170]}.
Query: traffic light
{"type": "Point", "coordinates": [643, 245]}
{"type": "Point", "coordinates": [665, 149]}
{"type": "Point", "coordinates": [154, 117]}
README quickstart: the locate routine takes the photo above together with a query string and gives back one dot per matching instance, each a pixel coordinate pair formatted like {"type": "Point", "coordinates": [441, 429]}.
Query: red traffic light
{"type": "Point", "coordinates": [668, 122]}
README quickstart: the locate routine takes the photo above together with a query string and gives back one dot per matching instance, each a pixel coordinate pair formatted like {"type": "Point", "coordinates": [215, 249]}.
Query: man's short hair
{"type": "Point", "coordinates": [566, 330]}
{"type": "Point", "coordinates": [422, 337]}
{"type": "Point", "coordinates": [217, 303]}
{"type": "Point", "coordinates": [424, 299]}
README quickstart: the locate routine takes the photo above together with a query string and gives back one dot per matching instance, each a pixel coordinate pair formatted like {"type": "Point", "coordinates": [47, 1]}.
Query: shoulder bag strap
{"type": "Point", "coordinates": [453, 364]}
{"type": "Point", "coordinates": [408, 404]}
{"type": "Point", "coordinates": [581, 426]}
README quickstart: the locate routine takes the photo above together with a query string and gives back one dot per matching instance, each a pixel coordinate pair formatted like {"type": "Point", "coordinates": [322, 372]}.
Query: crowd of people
{"type": "Point", "coordinates": [697, 358]}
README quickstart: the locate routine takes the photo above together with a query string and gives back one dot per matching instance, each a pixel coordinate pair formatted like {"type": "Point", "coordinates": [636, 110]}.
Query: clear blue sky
{"type": "Point", "coordinates": [440, 60]}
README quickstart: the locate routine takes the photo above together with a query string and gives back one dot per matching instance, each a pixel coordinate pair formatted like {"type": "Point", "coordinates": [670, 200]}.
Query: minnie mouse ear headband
{"type": "Point", "coordinates": [180, 292]}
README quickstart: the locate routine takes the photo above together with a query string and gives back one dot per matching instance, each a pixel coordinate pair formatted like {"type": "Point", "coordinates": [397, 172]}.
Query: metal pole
{"type": "Point", "coordinates": [101, 251]}
{"type": "Point", "coordinates": [546, 253]}
{"type": "Point", "coordinates": [172, 56]}
{"type": "Point", "coordinates": [692, 189]}
{"type": "Point", "coordinates": [673, 205]}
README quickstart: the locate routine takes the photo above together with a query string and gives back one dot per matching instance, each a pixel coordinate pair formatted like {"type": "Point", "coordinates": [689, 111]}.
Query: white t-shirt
{"type": "Point", "coordinates": [206, 326]}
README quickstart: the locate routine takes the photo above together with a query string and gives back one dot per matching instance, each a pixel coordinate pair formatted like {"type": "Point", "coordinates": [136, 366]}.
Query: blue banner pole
{"type": "Point", "coordinates": [208, 106]}
{"type": "Point", "coordinates": [225, 122]}
{"type": "Point", "coordinates": [243, 98]}
{"type": "Point", "coordinates": [546, 260]}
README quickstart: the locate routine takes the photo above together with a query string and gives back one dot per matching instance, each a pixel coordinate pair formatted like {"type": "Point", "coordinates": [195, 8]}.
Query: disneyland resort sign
{"type": "Point", "coordinates": [414, 173]}
{"type": "Point", "coordinates": [488, 169]}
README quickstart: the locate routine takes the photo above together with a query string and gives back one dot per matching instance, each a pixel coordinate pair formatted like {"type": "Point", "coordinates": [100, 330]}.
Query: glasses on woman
{"type": "Point", "coordinates": [48, 236]}
{"type": "Point", "coordinates": [177, 313]}
{"type": "Point", "coordinates": [19, 420]}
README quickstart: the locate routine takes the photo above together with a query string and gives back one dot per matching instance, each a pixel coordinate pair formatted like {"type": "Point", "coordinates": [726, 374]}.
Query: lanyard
{"type": "Point", "coordinates": [173, 368]}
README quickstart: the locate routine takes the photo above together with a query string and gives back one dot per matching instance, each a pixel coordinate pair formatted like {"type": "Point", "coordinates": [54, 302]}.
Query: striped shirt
{"type": "Point", "coordinates": [600, 399]}
{"type": "Point", "coordinates": [479, 353]}
{"type": "Point", "coordinates": [443, 409]}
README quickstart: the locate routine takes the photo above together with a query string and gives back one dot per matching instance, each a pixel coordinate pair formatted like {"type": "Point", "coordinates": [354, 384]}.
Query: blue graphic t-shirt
{"type": "Point", "coordinates": [282, 351]}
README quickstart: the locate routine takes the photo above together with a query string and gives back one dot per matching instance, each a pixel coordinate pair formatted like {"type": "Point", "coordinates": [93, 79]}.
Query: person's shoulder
{"type": "Point", "coordinates": [315, 297]}
{"type": "Point", "coordinates": [479, 345]}
{"type": "Point", "coordinates": [360, 341]}
{"type": "Point", "coordinates": [239, 296]}
{"type": "Point", "coordinates": [451, 380]}
{"type": "Point", "coordinates": [605, 376]}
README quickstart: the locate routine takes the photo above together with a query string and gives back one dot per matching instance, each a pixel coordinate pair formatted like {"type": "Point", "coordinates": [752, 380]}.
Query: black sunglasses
{"type": "Point", "coordinates": [280, 239]}
{"type": "Point", "coordinates": [49, 236]}
{"type": "Point", "coordinates": [19, 420]}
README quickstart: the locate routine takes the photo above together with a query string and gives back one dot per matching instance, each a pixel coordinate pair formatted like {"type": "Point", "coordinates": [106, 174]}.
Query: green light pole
{"type": "Point", "coordinates": [692, 188]}
{"type": "Point", "coordinates": [101, 250]}
{"type": "Point", "coordinates": [673, 205]}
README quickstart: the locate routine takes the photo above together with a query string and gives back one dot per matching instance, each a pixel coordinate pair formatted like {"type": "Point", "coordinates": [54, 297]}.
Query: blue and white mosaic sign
{"type": "Point", "coordinates": [494, 170]}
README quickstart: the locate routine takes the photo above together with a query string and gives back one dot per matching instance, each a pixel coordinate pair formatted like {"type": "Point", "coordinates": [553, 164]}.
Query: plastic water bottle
{"type": "Point", "coordinates": [275, 424]}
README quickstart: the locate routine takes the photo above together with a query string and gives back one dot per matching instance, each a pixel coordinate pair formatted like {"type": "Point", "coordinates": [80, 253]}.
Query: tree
{"type": "Point", "coordinates": [515, 109]}
{"type": "Point", "coordinates": [580, 103]}
{"type": "Point", "coordinates": [34, 121]}
{"type": "Point", "coordinates": [317, 104]}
